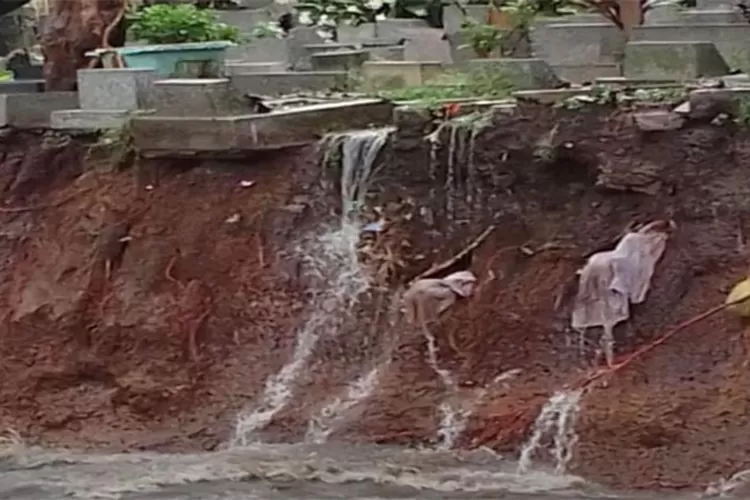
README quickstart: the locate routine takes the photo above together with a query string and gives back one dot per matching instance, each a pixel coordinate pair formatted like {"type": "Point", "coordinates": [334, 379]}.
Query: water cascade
{"type": "Point", "coordinates": [332, 258]}
{"type": "Point", "coordinates": [558, 416]}
{"type": "Point", "coordinates": [460, 179]}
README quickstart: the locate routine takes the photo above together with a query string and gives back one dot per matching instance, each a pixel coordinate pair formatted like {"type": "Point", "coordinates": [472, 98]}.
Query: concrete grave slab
{"type": "Point", "coordinates": [116, 89]}
{"type": "Point", "coordinates": [297, 55]}
{"type": "Point", "coordinates": [289, 82]}
{"type": "Point", "coordinates": [195, 97]}
{"type": "Point", "coordinates": [729, 39]}
{"type": "Point", "coordinates": [673, 60]}
{"type": "Point", "coordinates": [523, 74]}
{"type": "Point", "coordinates": [33, 110]}
{"type": "Point", "coordinates": [340, 60]}
{"type": "Point", "coordinates": [177, 136]}
{"type": "Point", "coordinates": [396, 74]}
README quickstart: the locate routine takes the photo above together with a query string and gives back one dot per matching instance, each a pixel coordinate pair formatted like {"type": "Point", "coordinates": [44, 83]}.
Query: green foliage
{"type": "Point", "coordinates": [455, 85]}
{"type": "Point", "coordinates": [327, 14]}
{"type": "Point", "coordinates": [483, 38]}
{"type": "Point", "coordinates": [182, 23]}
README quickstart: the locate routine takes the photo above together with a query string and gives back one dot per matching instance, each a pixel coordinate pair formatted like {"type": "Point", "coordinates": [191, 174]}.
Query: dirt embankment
{"type": "Point", "coordinates": [142, 309]}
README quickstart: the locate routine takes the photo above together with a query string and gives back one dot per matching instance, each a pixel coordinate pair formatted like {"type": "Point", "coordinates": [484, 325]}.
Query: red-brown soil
{"type": "Point", "coordinates": [104, 360]}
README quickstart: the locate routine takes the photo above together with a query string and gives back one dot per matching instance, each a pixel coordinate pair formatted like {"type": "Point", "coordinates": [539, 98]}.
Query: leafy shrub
{"type": "Point", "coordinates": [327, 14]}
{"type": "Point", "coordinates": [183, 23]}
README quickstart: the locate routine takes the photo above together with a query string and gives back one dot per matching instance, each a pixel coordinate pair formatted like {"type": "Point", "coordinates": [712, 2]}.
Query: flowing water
{"type": "Point", "coordinates": [303, 472]}
{"type": "Point", "coordinates": [556, 420]}
{"type": "Point", "coordinates": [332, 259]}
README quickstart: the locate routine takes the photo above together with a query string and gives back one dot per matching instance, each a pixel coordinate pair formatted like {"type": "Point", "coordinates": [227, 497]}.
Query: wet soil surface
{"type": "Point", "coordinates": [142, 309]}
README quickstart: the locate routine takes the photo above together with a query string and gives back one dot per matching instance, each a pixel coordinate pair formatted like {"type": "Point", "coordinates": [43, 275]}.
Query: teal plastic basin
{"type": "Point", "coordinates": [164, 59]}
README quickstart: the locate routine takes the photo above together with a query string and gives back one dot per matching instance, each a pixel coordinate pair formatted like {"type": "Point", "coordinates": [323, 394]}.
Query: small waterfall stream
{"type": "Point", "coordinates": [556, 420]}
{"type": "Point", "coordinates": [332, 257]}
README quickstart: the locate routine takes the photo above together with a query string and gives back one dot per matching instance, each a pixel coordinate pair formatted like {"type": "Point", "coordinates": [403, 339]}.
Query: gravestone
{"type": "Point", "coordinates": [673, 60]}
{"type": "Point", "coordinates": [340, 60]}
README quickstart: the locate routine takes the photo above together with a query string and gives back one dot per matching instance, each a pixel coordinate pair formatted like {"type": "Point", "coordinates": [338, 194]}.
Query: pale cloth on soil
{"type": "Point", "coordinates": [436, 295]}
{"type": "Point", "coordinates": [611, 281]}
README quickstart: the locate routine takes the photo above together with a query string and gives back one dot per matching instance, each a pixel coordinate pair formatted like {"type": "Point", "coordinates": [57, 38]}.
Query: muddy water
{"type": "Point", "coordinates": [287, 472]}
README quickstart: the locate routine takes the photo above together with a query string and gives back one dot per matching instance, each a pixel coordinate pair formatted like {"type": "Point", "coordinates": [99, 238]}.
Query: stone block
{"type": "Point", "coordinates": [244, 68]}
{"type": "Point", "coordinates": [115, 89]}
{"type": "Point", "coordinates": [340, 60]}
{"type": "Point", "coordinates": [396, 74]}
{"type": "Point", "coordinates": [33, 110]}
{"type": "Point", "coordinates": [729, 39]}
{"type": "Point", "coordinates": [259, 50]}
{"type": "Point", "coordinates": [289, 82]}
{"type": "Point", "coordinates": [673, 60]}
{"type": "Point", "coordinates": [91, 119]}
{"type": "Point", "coordinates": [199, 97]}
{"type": "Point", "coordinates": [707, 104]}
{"type": "Point", "coordinates": [659, 120]}
{"type": "Point", "coordinates": [169, 136]}
{"type": "Point", "coordinates": [523, 74]}
{"type": "Point", "coordinates": [574, 43]}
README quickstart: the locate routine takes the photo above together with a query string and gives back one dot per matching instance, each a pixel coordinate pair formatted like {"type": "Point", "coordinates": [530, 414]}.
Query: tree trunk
{"type": "Point", "coordinates": [72, 29]}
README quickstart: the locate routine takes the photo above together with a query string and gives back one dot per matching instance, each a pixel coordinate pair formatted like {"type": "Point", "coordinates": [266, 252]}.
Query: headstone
{"type": "Point", "coordinates": [673, 60]}
{"type": "Point", "coordinates": [116, 89]}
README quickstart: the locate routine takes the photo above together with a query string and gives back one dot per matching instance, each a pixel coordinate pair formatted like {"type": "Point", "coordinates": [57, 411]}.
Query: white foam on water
{"type": "Point", "coordinates": [333, 258]}
{"type": "Point", "coordinates": [334, 413]}
{"type": "Point", "coordinates": [557, 420]}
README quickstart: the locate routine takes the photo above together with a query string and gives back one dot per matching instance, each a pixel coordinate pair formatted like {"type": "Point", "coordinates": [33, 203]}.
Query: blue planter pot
{"type": "Point", "coordinates": [178, 60]}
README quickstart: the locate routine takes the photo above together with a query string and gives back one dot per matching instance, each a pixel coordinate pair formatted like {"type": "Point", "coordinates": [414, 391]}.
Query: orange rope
{"type": "Point", "coordinates": [522, 418]}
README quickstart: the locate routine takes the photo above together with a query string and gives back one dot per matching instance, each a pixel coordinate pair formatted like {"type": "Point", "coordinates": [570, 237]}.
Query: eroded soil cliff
{"type": "Point", "coordinates": [144, 307]}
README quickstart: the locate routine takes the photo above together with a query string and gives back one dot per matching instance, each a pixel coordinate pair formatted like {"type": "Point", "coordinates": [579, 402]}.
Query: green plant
{"type": "Point", "coordinates": [165, 23]}
{"type": "Point", "coordinates": [483, 83]}
{"type": "Point", "coordinates": [328, 14]}
{"type": "Point", "coordinates": [483, 38]}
